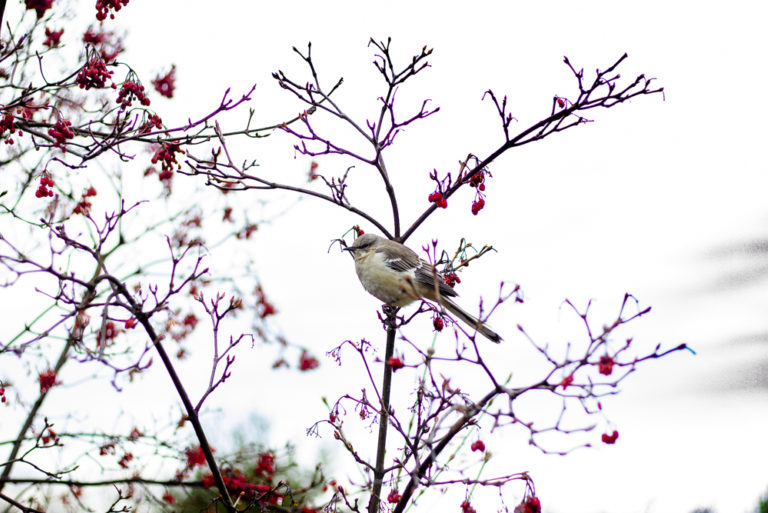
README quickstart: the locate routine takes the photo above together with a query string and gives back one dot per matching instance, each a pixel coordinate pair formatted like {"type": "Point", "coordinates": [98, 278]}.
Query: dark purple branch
{"type": "Point", "coordinates": [557, 122]}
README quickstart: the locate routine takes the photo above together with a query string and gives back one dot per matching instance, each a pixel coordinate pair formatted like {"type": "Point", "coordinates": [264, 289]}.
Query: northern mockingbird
{"type": "Point", "coordinates": [397, 276]}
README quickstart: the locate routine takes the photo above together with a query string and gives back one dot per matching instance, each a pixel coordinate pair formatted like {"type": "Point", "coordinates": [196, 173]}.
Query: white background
{"type": "Point", "coordinates": [661, 197]}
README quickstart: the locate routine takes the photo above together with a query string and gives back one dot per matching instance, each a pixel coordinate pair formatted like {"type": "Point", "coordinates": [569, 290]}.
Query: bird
{"type": "Point", "coordinates": [394, 274]}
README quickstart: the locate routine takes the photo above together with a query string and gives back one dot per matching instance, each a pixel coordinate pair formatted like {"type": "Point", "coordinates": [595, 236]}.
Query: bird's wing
{"type": "Point", "coordinates": [426, 276]}
{"type": "Point", "coordinates": [407, 261]}
{"type": "Point", "coordinates": [402, 261]}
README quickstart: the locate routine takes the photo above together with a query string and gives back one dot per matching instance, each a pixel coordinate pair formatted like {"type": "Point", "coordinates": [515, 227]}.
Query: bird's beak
{"type": "Point", "coordinates": [348, 248]}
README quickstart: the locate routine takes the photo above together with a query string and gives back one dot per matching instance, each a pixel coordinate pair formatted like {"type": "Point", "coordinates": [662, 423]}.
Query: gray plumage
{"type": "Point", "coordinates": [397, 276]}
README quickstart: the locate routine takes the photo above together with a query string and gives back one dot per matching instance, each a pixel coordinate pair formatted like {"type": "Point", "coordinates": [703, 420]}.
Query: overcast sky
{"type": "Point", "coordinates": [663, 197]}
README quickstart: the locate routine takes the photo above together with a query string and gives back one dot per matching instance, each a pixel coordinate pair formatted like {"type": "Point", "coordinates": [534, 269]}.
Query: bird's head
{"type": "Point", "coordinates": [362, 244]}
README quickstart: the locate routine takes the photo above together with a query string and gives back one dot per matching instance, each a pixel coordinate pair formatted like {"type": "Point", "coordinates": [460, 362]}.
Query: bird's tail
{"type": "Point", "coordinates": [470, 320]}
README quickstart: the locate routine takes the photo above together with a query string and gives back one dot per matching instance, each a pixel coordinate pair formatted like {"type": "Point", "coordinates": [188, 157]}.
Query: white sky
{"type": "Point", "coordinates": [660, 198]}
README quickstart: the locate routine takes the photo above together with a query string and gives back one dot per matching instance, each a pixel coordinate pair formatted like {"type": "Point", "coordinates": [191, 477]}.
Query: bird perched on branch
{"type": "Point", "coordinates": [397, 276]}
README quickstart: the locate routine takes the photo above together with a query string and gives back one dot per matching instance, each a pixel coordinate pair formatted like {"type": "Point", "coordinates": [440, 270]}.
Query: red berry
{"type": "Point", "coordinates": [477, 206]}
{"type": "Point", "coordinates": [393, 497]}
{"type": "Point", "coordinates": [166, 84]}
{"type": "Point", "coordinates": [606, 365]}
{"type": "Point", "coordinates": [478, 446]}
{"type": "Point", "coordinates": [396, 363]}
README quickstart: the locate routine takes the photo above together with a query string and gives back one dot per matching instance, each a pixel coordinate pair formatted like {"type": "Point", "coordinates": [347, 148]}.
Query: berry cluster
{"type": "Point", "coordinates": [531, 504]}
{"type": "Point", "coordinates": [610, 439]}
{"type": "Point", "coordinates": [266, 465]}
{"type": "Point", "coordinates": [49, 437]}
{"type": "Point", "coordinates": [130, 90]}
{"type": "Point", "coordinates": [94, 74]}
{"type": "Point", "coordinates": [84, 206]}
{"type": "Point", "coordinates": [451, 279]}
{"type": "Point", "coordinates": [166, 84]}
{"type": "Point", "coordinates": [190, 321]}
{"type": "Point", "coordinates": [103, 7]}
{"type": "Point", "coordinates": [107, 448]}
{"type": "Point", "coordinates": [152, 122]}
{"type": "Point", "coordinates": [135, 434]}
{"type": "Point", "coordinates": [307, 362]}
{"type": "Point", "coordinates": [28, 111]}
{"type": "Point", "coordinates": [95, 38]}
{"type": "Point", "coordinates": [264, 308]}
{"type": "Point", "coordinates": [111, 331]}
{"type": "Point", "coordinates": [47, 380]}
{"type": "Point", "coordinates": [8, 124]}
{"type": "Point", "coordinates": [246, 232]}
{"type": "Point", "coordinates": [477, 445]}
{"type": "Point", "coordinates": [179, 328]}
{"type": "Point", "coordinates": [437, 198]}
{"type": "Point", "coordinates": [195, 457]}
{"type": "Point", "coordinates": [125, 459]}
{"type": "Point", "coordinates": [395, 363]}
{"type": "Point", "coordinates": [107, 44]}
{"type": "Point", "coordinates": [43, 191]}
{"type": "Point", "coordinates": [2, 394]}
{"type": "Point", "coordinates": [477, 206]}
{"type": "Point", "coordinates": [52, 37]}
{"type": "Point", "coordinates": [238, 486]}
{"type": "Point", "coordinates": [39, 6]}
{"type": "Point", "coordinates": [606, 365]}
{"type": "Point", "coordinates": [61, 132]}
{"type": "Point", "coordinates": [312, 171]}
{"type": "Point", "coordinates": [443, 184]}
{"type": "Point", "coordinates": [477, 181]}
{"type": "Point", "coordinates": [258, 487]}
{"type": "Point", "coordinates": [394, 497]}
{"type": "Point", "coordinates": [166, 155]}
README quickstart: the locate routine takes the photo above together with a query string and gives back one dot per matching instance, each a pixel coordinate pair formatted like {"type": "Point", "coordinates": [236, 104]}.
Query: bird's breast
{"type": "Point", "coordinates": [381, 281]}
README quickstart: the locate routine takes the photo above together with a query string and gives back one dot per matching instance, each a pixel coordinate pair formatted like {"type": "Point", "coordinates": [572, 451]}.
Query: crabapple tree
{"type": "Point", "coordinates": [104, 278]}
{"type": "Point", "coordinates": [108, 280]}
{"type": "Point", "coordinates": [419, 438]}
